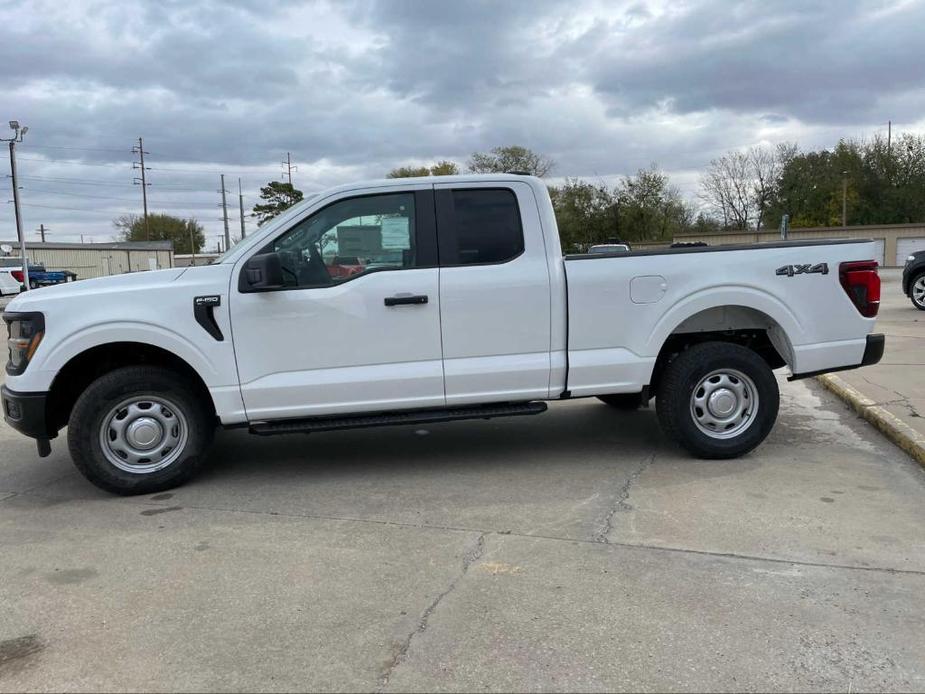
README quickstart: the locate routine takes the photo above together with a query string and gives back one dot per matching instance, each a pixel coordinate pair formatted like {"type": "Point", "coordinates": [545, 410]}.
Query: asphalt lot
{"type": "Point", "coordinates": [573, 551]}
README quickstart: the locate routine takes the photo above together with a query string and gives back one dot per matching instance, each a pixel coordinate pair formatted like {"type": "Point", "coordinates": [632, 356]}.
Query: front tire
{"type": "Point", "coordinates": [917, 291]}
{"type": "Point", "coordinates": [139, 430]}
{"type": "Point", "coordinates": [717, 400]}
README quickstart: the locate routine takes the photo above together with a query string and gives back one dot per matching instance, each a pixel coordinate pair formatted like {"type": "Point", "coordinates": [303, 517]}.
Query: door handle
{"type": "Point", "coordinates": [406, 300]}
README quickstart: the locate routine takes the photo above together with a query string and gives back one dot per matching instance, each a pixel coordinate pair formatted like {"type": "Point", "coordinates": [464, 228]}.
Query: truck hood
{"type": "Point", "coordinates": [33, 299]}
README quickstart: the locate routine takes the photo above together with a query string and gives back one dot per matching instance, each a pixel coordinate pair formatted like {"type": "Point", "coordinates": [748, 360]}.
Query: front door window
{"type": "Point", "coordinates": [347, 239]}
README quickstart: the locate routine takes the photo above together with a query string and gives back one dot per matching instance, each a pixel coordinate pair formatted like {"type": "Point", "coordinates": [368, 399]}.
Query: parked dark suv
{"type": "Point", "coordinates": [914, 279]}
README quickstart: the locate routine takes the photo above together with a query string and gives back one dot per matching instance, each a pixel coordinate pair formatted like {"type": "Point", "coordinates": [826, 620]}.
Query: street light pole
{"type": "Point", "coordinates": [17, 137]}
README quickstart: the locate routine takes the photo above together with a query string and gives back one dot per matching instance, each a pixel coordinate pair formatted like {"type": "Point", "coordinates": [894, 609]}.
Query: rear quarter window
{"type": "Point", "coordinates": [487, 226]}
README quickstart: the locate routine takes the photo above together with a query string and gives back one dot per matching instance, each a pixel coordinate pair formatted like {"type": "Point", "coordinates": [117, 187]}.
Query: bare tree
{"type": "Point", "coordinates": [726, 187]}
{"type": "Point", "coordinates": [740, 185]}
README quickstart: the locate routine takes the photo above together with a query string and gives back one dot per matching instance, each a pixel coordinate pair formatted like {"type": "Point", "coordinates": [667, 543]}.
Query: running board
{"type": "Point", "coordinates": [450, 414]}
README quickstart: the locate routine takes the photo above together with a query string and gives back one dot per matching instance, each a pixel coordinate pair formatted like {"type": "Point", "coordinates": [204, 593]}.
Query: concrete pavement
{"type": "Point", "coordinates": [897, 383]}
{"type": "Point", "coordinates": [574, 551]}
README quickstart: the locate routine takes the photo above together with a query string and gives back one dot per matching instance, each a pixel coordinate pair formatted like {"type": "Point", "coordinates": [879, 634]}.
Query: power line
{"type": "Point", "coordinates": [194, 203]}
{"type": "Point", "coordinates": [80, 149]}
{"type": "Point", "coordinates": [69, 209]}
{"type": "Point", "coordinates": [74, 162]}
{"type": "Point", "coordinates": [210, 172]}
{"type": "Point", "coordinates": [99, 182]}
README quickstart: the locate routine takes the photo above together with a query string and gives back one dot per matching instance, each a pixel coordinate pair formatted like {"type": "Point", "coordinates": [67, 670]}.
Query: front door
{"type": "Point", "coordinates": [356, 328]}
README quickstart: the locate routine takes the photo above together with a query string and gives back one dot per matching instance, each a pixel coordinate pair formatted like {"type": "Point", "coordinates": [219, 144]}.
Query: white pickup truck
{"type": "Point", "coordinates": [415, 300]}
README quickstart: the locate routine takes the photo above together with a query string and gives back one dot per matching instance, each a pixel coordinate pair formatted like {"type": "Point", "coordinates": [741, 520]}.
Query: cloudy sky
{"type": "Point", "coordinates": [355, 88]}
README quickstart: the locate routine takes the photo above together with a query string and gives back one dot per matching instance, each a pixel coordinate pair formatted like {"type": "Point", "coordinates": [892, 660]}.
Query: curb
{"type": "Point", "coordinates": [896, 430]}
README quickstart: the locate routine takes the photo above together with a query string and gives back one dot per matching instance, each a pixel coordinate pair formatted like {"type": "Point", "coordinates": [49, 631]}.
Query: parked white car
{"type": "Point", "coordinates": [604, 248]}
{"type": "Point", "coordinates": [463, 308]}
{"type": "Point", "coordinates": [8, 284]}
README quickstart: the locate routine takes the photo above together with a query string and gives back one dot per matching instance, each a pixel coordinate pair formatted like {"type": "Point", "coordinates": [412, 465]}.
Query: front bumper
{"type": "Point", "coordinates": [873, 353]}
{"type": "Point", "coordinates": [27, 413]}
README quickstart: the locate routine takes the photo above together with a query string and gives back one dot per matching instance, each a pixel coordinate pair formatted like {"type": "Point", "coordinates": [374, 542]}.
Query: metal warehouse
{"type": "Point", "coordinates": [99, 259]}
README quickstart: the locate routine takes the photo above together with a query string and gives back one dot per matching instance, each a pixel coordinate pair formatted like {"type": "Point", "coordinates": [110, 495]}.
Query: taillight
{"type": "Point", "coordinates": [862, 285]}
{"type": "Point", "coordinates": [17, 275]}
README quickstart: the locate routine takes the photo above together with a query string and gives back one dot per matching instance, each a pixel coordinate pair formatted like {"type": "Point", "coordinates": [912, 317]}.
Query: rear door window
{"type": "Point", "coordinates": [478, 226]}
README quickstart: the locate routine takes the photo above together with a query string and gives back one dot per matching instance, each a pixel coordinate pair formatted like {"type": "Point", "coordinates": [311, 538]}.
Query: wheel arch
{"type": "Point", "coordinates": [91, 363]}
{"type": "Point", "coordinates": [736, 323]}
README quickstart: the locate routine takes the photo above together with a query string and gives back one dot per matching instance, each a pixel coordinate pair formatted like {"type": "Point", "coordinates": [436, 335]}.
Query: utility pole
{"type": "Point", "coordinates": [139, 149]}
{"type": "Point", "coordinates": [889, 136]}
{"type": "Point", "coordinates": [192, 245]}
{"type": "Point", "coordinates": [289, 168]}
{"type": "Point", "coordinates": [241, 209]}
{"type": "Point", "coordinates": [17, 137]}
{"type": "Point", "coordinates": [42, 232]}
{"type": "Point", "coordinates": [844, 199]}
{"type": "Point", "coordinates": [225, 214]}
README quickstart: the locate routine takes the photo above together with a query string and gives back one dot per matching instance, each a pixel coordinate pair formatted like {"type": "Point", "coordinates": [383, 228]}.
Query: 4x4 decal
{"type": "Point", "coordinates": [791, 270]}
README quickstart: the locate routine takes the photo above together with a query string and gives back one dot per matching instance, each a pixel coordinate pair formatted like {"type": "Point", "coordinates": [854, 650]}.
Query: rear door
{"type": "Point", "coordinates": [494, 293]}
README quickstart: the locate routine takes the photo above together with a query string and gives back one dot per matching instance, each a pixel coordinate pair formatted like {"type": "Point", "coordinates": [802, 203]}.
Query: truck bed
{"type": "Point", "coordinates": [622, 307]}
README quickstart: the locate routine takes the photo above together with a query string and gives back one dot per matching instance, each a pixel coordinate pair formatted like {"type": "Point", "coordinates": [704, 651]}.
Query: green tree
{"type": "Point", "coordinates": [444, 168]}
{"type": "Point", "coordinates": [186, 234]}
{"type": "Point", "coordinates": [880, 182]}
{"type": "Point", "coordinates": [511, 158]}
{"type": "Point", "coordinates": [584, 214]}
{"type": "Point", "coordinates": [643, 207]}
{"type": "Point", "coordinates": [441, 168]}
{"type": "Point", "coordinates": [408, 172]}
{"type": "Point", "coordinates": [279, 197]}
{"type": "Point", "coordinates": [649, 208]}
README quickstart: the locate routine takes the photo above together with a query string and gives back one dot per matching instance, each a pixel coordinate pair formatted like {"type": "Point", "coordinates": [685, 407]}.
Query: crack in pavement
{"type": "Point", "coordinates": [620, 504]}
{"type": "Point", "coordinates": [469, 558]}
{"type": "Point", "coordinates": [511, 533]}
{"type": "Point", "coordinates": [901, 399]}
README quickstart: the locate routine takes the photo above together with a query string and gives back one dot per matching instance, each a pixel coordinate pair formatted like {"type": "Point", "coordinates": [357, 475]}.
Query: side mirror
{"type": "Point", "coordinates": [260, 273]}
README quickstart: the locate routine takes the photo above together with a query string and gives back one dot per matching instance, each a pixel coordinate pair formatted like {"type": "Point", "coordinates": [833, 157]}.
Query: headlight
{"type": "Point", "coordinates": [910, 259]}
{"type": "Point", "coordinates": [25, 332]}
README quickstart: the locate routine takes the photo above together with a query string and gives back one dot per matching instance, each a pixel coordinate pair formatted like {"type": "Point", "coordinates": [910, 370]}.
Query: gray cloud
{"type": "Point", "coordinates": [353, 89]}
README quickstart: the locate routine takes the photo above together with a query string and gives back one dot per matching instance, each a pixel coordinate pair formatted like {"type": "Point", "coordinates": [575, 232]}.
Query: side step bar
{"type": "Point", "coordinates": [450, 414]}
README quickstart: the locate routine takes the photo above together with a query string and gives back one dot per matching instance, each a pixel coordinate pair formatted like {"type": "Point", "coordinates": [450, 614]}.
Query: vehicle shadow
{"type": "Point", "coordinates": [585, 434]}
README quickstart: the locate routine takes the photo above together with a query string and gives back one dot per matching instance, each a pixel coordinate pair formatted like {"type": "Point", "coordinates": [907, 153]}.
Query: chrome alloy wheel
{"type": "Point", "coordinates": [918, 291]}
{"type": "Point", "coordinates": [142, 435]}
{"type": "Point", "coordinates": [724, 403]}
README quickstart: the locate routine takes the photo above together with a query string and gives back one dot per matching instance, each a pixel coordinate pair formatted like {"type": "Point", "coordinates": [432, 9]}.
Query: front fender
{"type": "Point", "coordinates": [46, 364]}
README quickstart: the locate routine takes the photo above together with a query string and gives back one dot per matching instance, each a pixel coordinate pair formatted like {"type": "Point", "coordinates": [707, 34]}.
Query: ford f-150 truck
{"type": "Point", "coordinates": [458, 304]}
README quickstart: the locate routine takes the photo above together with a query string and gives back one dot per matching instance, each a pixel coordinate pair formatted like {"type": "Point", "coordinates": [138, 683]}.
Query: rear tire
{"type": "Point", "coordinates": [917, 291]}
{"type": "Point", "coordinates": [139, 430]}
{"type": "Point", "coordinates": [622, 401]}
{"type": "Point", "coordinates": [717, 400]}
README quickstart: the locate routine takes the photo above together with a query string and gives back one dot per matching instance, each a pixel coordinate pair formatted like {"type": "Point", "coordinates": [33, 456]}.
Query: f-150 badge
{"type": "Point", "coordinates": [791, 270]}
